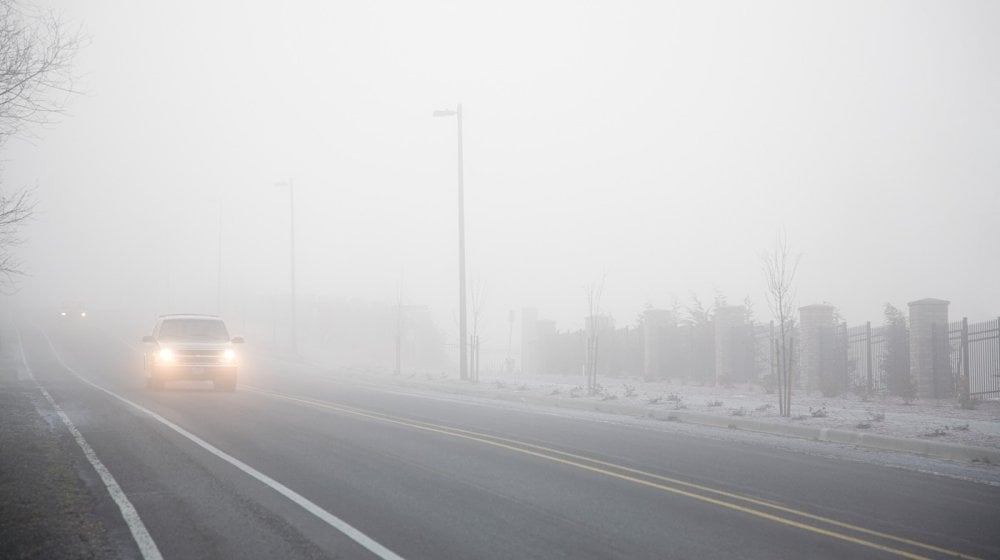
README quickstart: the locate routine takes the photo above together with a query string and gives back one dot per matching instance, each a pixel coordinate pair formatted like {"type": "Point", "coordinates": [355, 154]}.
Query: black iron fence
{"type": "Point", "coordinates": [878, 360]}
{"type": "Point", "coordinates": [866, 358]}
{"type": "Point", "coordinates": [975, 357]}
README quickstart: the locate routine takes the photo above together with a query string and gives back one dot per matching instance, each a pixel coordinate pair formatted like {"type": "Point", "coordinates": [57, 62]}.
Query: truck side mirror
{"type": "Point", "coordinates": [238, 340]}
{"type": "Point", "coordinates": [148, 338]}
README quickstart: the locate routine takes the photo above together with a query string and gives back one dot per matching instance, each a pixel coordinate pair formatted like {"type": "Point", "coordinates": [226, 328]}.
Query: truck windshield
{"type": "Point", "coordinates": [199, 329]}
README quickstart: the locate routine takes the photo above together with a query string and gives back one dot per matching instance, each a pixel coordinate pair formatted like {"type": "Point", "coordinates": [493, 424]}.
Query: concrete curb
{"type": "Point", "coordinates": [938, 449]}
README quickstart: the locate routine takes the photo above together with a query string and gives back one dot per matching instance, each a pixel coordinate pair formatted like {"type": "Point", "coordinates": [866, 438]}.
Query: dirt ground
{"type": "Point", "coordinates": [46, 508]}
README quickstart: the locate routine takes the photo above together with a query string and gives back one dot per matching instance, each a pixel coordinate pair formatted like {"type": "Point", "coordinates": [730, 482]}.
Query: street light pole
{"type": "Point", "coordinates": [462, 326]}
{"type": "Point", "coordinates": [291, 251]}
{"type": "Point", "coordinates": [218, 272]}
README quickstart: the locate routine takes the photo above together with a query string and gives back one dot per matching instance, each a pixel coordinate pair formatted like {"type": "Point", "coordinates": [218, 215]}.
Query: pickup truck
{"type": "Point", "coordinates": [190, 347]}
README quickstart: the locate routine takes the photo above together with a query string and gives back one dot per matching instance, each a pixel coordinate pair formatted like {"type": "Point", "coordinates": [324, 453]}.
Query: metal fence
{"type": "Point", "coordinates": [866, 358]}
{"type": "Point", "coordinates": [975, 357]}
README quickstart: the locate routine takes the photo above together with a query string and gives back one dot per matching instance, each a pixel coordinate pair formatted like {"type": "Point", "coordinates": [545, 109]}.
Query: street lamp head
{"type": "Point", "coordinates": [444, 113]}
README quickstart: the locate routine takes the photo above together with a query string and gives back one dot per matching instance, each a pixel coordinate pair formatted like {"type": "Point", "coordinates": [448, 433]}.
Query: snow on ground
{"type": "Point", "coordinates": [938, 419]}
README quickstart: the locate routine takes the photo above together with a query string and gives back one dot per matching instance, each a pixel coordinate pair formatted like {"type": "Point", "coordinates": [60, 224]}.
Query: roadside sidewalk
{"type": "Point", "coordinates": [935, 428]}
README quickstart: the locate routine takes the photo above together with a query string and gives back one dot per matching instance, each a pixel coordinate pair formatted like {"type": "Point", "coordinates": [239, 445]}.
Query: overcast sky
{"type": "Point", "coordinates": [662, 144]}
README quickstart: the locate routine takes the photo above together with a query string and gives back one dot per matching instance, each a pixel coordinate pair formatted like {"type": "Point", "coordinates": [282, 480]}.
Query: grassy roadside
{"type": "Point", "coordinates": [46, 509]}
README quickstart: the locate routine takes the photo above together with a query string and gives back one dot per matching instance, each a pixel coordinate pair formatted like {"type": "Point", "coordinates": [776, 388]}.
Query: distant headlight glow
{"type": "Point", "coordinates": [229, 356]}
{"type": "Point", "coordinates": [83, 313]}
{"type": "Point", "coordinates": [166, 355]}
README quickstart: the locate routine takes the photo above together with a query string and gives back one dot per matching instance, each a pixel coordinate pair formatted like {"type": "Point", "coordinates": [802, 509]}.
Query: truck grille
{"type": "Point", "coordinates": [195, 357]}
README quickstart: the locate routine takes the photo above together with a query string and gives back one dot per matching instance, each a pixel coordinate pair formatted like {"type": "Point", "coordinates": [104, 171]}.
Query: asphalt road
{"type": "Point", "coordinates": [299, 464]}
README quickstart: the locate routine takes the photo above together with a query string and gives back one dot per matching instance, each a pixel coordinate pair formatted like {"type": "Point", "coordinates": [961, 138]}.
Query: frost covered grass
{"type": "Point", "coordinates": [942, 419]}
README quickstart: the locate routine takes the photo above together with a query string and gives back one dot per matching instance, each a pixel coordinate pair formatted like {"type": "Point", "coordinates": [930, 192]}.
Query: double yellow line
{"type": "Point", "coordinates": [751, 506]}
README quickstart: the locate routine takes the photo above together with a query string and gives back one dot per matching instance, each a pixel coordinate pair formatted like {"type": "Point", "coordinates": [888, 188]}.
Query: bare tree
{"type": "Point", "coordinates": [594, 293]}
{"type": "Point", "coordinates": [36, 52]}
{"type": "Point", "coordinates": [35, 79]}
{"type": "Point", "coordinates": [780, 265]}
{"type": "Point", "coordinates": [15, 209]}
{"type": "Point", "coordinates": [478, 301]}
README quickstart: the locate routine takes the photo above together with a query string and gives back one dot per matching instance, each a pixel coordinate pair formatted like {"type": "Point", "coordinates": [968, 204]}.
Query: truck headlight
{"type": "Point", "coordinates": [165, 355]}
{"type": "Point", "coordinates": [229, 356]}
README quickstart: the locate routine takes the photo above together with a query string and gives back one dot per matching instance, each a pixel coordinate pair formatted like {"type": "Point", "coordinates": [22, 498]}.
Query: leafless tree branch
{"type": "Point", "coordinates": [15, 209]}
{"type": "Point", "coordinates": [36, 52]}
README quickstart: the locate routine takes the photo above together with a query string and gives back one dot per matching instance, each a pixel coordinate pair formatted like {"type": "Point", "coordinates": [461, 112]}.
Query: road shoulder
{"type": "Point", "coordinates": [48, 500]}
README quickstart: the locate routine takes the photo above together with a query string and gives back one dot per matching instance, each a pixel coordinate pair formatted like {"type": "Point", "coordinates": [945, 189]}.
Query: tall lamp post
{"type": "Point", "coordinates": [462, 342]}
{"type": "Point", "coordinates": [291, 250]}
{"type": "Point", "coordinates": [218, 266]}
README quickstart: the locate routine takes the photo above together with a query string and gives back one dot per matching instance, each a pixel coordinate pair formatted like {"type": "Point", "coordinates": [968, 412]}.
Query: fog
{"type": "Point", "coordinates": [661, 146]}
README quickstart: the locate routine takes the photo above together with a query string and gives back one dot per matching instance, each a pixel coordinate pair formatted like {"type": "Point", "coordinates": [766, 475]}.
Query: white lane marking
{"type": "Point", "coordinates": [332, 520]}
{"type": "Point", "coordinates": [147, 547]}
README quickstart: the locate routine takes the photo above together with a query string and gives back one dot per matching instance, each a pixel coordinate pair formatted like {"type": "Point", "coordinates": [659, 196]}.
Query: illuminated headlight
{"type": "Point", "coordinates": [166, 355]}
{"type": "Point", "coordinates": [229, 356]}
{"type": "Point", "coordinates": [63, 313]}
{"type": "Point", "coordinates": [83, 313]}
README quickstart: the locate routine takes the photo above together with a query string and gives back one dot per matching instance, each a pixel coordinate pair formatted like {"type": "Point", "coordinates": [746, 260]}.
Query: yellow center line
{"type": "Point", "coordinates": [574, 460]}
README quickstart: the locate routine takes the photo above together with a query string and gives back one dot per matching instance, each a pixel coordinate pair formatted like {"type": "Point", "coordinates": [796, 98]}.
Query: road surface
{"type": "Point", "coordinates": [301, 464]}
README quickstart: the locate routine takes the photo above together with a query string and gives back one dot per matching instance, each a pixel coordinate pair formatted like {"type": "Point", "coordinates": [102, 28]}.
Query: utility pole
{"type": "Point", "coordinates": [291, 243]}
{"type": "Point", "coordinates": [291, 250]}
{"type": "Point", "coordinates": [462, 327]}
{"type": "Point", "coordinates": [463, 362]}
{"type": "Point", "coordinates": [509, 362]}
{"type": "Point", "coordinates": [218, 272]}
{"type": "Point", "coordinates": [399, 336]}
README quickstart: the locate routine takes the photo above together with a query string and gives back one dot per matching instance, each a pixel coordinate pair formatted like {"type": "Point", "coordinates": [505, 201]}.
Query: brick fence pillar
{"type": "Point", "coordinates": [729, 323]}
{"type": "Point", "coordinates": [930, 365]}
{"type": "Point", "coordinates": [655, 323]}
{"type": "Point", "coordinates": [816, 323]}
{"type": "Point", "coordinates": [529, 340]}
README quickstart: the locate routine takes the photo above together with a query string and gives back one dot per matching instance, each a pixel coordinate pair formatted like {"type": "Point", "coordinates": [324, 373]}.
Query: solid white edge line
{"type": "Point", "coordinates": [332, 520]}
{"type": "Point", "coordinates": [147, 547]}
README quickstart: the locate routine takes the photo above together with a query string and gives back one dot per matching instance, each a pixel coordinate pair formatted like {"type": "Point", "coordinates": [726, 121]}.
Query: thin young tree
{"type": "Point", "coordinates": [593, 337]}
{"type": "Point", "coordinates": [478, 302]}
{"type": "Point", "coordinates": [780, 264]}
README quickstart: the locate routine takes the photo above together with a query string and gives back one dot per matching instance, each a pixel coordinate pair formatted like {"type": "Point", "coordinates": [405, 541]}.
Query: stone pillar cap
{"type": "Point", "coordinates": [655, 310]}
{"type": "Point", "coordinates": [929, 301]}
{"type": "Point", "coordinates": [817, 306]}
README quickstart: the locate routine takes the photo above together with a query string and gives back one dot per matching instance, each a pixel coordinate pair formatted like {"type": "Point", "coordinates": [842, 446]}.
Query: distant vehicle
{"type": "Point", "coordinates": [72, 310]}
{"type": "Point", "coordinates": [190, 347]}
